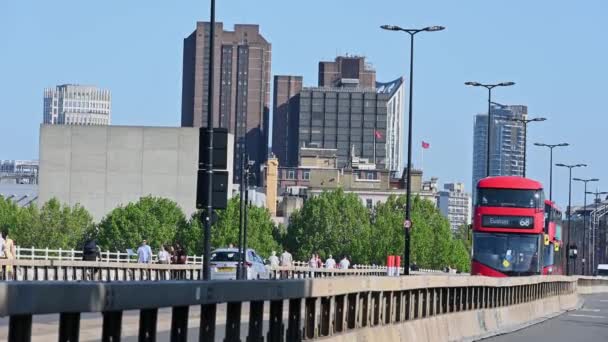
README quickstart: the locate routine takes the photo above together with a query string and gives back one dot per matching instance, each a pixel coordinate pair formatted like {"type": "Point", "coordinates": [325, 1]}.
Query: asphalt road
{"type": "Point", "coordinates": [590, 323]}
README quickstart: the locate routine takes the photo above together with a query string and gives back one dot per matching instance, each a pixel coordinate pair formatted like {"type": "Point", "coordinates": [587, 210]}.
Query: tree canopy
{"type": "Point", "coordinates": [333, 222]}
{"type": "Point", "coordinates": [52, 226]}
{"type": "Point", "coordinates": [261, 230]}
{"type": "Point", "coordinates": [154, 219]}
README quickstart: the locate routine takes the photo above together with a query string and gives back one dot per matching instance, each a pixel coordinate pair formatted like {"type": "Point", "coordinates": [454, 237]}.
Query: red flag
{"type": "Point", "coordinates": [425, 145]}
{"type": "Point", "coordinates": [378, 134]}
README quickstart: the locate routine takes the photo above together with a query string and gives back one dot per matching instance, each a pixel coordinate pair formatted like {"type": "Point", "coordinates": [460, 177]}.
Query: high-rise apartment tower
{"type": "Point", "coordinates": [242, 87]}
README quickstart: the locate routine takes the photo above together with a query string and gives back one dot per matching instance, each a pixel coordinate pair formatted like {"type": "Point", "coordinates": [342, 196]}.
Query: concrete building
{"type": "Point", "coordinates": [103, 167]}
{"type": "Point", "coordinates": [349, 110]}
{"type": "Point", "coordinates": [285, 118]}
{"type": "Point", "coordinates": [455, 204]}
{"type": "Point", "coordinates": [73, 104]}
{"type": "Point", "coordinates": [506, 145]}
{"type": "Point", "coordinates": [242, 83]}
{"type": "Point", "coordinates": [347, 70]}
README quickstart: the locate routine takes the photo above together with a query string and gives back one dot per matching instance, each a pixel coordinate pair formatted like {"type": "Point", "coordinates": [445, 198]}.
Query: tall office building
{"type": "Point", "coordinates": [285, 118]}
{"type": "Point", "coordinates": [455, 204]}
{"type": "Point", "coordinates": [350, 114]}
{"type": "Point", "coordinates": [73, 104]}
{"type": "Point", "coordinates": [242, 83]}
{"type": "Point", "coordinates": [506, 145]}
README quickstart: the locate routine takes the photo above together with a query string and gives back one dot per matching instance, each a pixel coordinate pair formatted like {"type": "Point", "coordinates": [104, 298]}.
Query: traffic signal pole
{"type": "Point", "coordinates": [209, 160]}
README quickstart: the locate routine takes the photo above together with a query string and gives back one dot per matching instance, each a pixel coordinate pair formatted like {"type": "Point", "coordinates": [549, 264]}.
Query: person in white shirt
{"type": "Point", "coordinates": [330, 262]}
{"type": "Point", "coordinates": [2, 255]}
{"type": "Point", "coordinates": [286, 258]}
{"type": "Point", "coordinates": [344, 263]}
{"type": "Point", "coordinates": [163, 256]}
{"type": "Point", "coordinates": [273, 259]}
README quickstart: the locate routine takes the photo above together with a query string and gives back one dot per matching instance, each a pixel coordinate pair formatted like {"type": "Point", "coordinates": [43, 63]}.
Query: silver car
{"type": "Point", "coordinates": [224, 262]}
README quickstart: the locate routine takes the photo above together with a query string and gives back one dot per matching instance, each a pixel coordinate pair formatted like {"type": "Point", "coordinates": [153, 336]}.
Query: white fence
{"type": "Point", "coordinates": [32, 253]}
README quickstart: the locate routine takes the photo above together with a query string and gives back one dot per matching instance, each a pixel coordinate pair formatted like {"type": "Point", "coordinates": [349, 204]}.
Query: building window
{"type": "Point", "coordinates": [291, 174]}
{"type": "Point", "coordinates": [306, 175]}
{"type": "Point", "coordinates": [369, 203]}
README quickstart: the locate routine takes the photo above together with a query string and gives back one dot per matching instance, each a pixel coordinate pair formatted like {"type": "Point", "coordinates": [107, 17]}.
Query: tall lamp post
{"type": "Point", "coordinates": [594, 227]}
{"type": "Point", "coordinates": [585, 254]}
{"type": "Point", "coordinates": [525, 122]}
{"type": "Point", "coordinates": [570, 167]}
{"type": "Point", "coordinates": [551, 147]}
{"type": "Point", "coordinates": [412, 33]}
{"type": "Point", "coordinates": [488, 136]}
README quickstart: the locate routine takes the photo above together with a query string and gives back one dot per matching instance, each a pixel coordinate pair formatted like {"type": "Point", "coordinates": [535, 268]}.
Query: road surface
{"type": "Point", "coordinates": [590, 323]}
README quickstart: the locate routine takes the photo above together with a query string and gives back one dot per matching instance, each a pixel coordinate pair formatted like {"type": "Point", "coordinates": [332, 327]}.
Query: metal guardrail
{"type": "Point", "coordinates": [316, 307]}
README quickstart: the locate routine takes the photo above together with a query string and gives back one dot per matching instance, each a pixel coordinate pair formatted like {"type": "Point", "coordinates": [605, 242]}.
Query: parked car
{"type": "Point", "coordinates": [224, 262]}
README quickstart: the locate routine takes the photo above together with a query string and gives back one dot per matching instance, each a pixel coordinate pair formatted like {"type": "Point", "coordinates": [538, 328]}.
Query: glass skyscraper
{"type": "Point", "coordinates": [506, 145]}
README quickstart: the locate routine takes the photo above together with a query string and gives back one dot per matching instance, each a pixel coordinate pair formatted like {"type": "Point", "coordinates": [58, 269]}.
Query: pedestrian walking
{"type": "Point", "coordinates": [90, 250]}
{"type": "Point", "coordinates": [319, 261]}
{"type": "Point", "coordinates": [180, 258]}
{"type": "Point", "coordinates": [144, 253]}
{"type": "Point", "coordinates": [286, 258]}
{"type": "Point", "coordinates": [344, 263]}
{"type": "Point", "coordinates": [9, 252]}
{"type": "Point", "coordinates": [163, 255]}
{"type": "Point", "coordinates": [273, 260]}
{"type": "Point", "coordinates": [330, 262]}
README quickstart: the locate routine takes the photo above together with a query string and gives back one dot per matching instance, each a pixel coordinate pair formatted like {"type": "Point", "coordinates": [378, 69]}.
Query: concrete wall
{"type": "Point", "coordinates": [103, 167]}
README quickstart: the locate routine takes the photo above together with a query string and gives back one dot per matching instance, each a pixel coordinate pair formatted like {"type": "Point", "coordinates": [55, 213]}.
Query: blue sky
{"type": "Point", "coordinates": [556, 51]}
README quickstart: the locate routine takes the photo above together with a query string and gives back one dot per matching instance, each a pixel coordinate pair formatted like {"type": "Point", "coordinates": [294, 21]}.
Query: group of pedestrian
{"type": "Point", "coordinates": [166, 255]}
{"type": "Point", "coordinates": [7, 251]}
{"type": "Point", "coordinates": [330, 263]}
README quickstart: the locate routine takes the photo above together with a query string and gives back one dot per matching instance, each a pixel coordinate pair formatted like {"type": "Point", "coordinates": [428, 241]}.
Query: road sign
{"type": "Point", "coordinates": [407, 224]}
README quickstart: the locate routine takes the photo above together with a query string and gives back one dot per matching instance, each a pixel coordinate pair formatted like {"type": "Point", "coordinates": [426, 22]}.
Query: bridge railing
{"type": "Point", "coordinates": [32, 253]}
{"type": "Point", "coordinates": [316, 307]}
{"type": "Point", "coordinates": [58, 270]}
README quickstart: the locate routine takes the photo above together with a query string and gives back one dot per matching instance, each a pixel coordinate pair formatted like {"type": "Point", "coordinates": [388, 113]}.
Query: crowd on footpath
{"type": "Point", "coordinates": [167, 254]}
{"type": "Point", "coordinates": [315, 261]}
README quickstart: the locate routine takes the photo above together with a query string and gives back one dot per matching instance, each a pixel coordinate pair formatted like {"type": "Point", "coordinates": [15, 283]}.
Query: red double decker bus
{"type": "Point", "coordinates": [554, 256]}
{"type": "Point", "coordinates": [508, 227]}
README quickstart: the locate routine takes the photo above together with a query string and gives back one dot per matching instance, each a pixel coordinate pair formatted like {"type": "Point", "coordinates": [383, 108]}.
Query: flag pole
{"type": "Point", "coordinates": [422, 160]}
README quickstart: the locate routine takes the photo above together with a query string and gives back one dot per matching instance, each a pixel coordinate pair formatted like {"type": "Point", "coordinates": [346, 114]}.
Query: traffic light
{"type": "Point", "coordinates": [219, 187]}
{"type": "Point", "coordinates": [220, 148]}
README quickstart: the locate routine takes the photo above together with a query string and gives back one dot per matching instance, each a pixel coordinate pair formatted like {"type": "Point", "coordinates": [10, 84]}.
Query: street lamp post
{"type": "Point", "coordinates": [585, 254]}
{"type": "Point", "coordinates": [489, 134]}
{"type": "Point", "coordinates": [551, 147]}
{"type": "Point", "coordinates": [525, 122]}
{"type": "Point", "coordinates": [594, 227]}
{"type": "Point", "coordinates": [570, 167]}
{"type": "Point", "coordinates": [412, 33]}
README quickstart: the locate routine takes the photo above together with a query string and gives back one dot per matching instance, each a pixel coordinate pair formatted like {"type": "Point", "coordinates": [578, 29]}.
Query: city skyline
{"type": "Point", "coordinates": [541, 65]}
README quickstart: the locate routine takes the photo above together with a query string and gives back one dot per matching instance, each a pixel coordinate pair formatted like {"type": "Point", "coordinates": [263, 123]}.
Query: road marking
{"type": "Point", "coordinates": [587, 316]}
{"type": "Point", "coordinates": [590, 310]}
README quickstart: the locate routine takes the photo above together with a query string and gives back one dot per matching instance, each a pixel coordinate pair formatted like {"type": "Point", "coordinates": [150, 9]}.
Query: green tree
{"type": "Point", "coordinates": [332, 223]}
{"type": "Point", "coordinates": [155, 219]}
{"type": "Point", "coordinates": [261, 230]}
{"type": "Point", "coordinates": [9, 213]}
{"type": "Point", "coordinates": [463, 233]}
{"type": "Point", "coordinates": [53, 226]}
{"type": "Point", "coordinates": [431, 241]}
